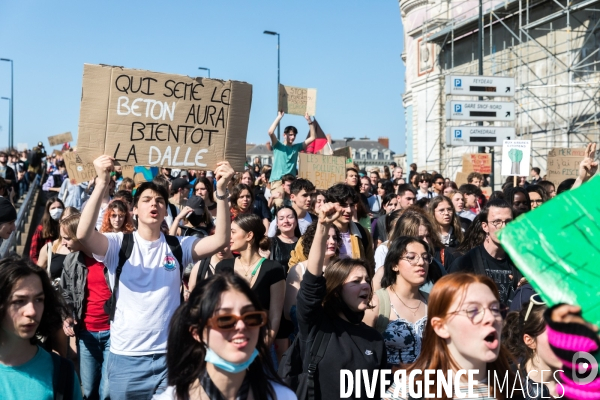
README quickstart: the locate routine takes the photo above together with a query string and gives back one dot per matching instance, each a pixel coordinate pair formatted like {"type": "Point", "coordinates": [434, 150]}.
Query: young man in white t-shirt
{"type": "Point", "coordinates": [150, 281]}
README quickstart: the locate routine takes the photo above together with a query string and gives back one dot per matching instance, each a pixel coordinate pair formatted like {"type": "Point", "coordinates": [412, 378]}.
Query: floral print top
{"type": "Point", "coordinates": [403, 339]}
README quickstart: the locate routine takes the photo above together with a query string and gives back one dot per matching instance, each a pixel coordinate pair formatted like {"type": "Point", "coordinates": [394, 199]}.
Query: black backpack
{"type": "Point", "coordinates": [63, 377]}
{"type": "Point", "coordinates": [294, 369]}
{"type": "Point", "coordinates": [124, 254]}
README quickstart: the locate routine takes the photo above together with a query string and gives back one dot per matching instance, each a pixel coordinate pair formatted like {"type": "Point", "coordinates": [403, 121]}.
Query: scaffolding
{"type": "Point", "coordinates": [550, 47]}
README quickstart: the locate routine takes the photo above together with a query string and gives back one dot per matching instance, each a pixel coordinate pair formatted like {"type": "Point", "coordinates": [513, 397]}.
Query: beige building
{"type": "Point", "coordinates": [551, 48]}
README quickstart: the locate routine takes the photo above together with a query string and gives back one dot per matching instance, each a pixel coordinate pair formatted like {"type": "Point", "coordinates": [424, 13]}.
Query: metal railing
{"type": "Point", "coordinates": [11, 243]}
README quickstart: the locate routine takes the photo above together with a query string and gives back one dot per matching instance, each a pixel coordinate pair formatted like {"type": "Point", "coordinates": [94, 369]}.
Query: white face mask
{"type": "Point", "coordinates": [55, 213]}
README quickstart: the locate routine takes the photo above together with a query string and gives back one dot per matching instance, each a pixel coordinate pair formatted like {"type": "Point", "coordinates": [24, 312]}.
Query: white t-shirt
{"type": "Point", "coordinates": [380, 253]}
{"type": "Point", "coordinates": [148, 293]}
{"type": "Point", "coordinates": [303, 224]}
{"type": "Point", "coordinates": [281, 393]}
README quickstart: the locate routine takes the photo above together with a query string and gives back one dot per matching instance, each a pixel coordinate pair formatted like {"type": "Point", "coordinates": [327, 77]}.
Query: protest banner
{"type": "Point", "coordinates": [78, 170]}
{"type": "Point", "coordinates": [478, 162]}
{"type": "Point", "coordinates": [59, 140]}
{"type": "Point", "coordinates": [555, 246]}
{"type": "Point", "coordinates": [322, 171]}
{"type": "Point", "coordinates": [516, 156]}
{"type": "Point", "coordinates": [563, 163]}
{"type": "Point", "coordinates": [147, 118]}
{"type": "Point", "coordinates": [297, 101]}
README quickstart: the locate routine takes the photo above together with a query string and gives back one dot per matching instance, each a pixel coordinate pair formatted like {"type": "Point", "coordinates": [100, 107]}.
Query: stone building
{"type": "Point", "coordinates": [551, 48]}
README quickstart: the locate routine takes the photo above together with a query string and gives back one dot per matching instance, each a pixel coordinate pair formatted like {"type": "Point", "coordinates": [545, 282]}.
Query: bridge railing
{"type": "Point", "coordinates": [10, 244]}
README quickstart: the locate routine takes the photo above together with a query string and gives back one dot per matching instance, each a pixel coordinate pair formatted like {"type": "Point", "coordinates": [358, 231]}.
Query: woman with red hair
{"type": "Point", "coordinates": [117, 218]}
{"type": "Point", "coordinates": [463, 333]}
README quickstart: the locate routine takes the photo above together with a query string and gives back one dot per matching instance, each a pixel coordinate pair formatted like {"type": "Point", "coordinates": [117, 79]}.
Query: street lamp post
{"type": "Point", "coordinates": [278, 75]}
{"type": "Point", "coordinates": [205, 69]}
{"type": "Point", "coordinates": [6, 98]}
{"type": "Point", "coordinates": [12, 97]}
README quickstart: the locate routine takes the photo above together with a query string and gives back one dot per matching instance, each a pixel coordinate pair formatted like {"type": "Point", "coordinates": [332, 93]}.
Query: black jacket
{"type": "Point", "coordinates": [351, 346]}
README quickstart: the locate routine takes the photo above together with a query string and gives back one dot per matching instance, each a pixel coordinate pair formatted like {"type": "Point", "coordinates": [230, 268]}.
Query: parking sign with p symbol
{"type": "Point", "coordinates": [457, 82]}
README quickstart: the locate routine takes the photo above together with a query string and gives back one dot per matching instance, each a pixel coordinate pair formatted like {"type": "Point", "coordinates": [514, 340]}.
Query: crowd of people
{"type": "Point", "coordinates": [257, 285]}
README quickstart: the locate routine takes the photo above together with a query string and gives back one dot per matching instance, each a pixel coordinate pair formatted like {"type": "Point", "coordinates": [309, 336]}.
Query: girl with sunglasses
{"type": "Point", "coordinates": [217, 346]}
{"type": "Point", "coordinates": [399, 310]}
{"type": "Point", "coordinates": [527, 339]}
{"type": "Point", "coordinates": [463, 329]}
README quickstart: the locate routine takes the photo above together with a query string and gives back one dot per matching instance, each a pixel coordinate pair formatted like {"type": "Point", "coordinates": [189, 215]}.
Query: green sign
{"type": "Point", "coordinates": [557, 247]}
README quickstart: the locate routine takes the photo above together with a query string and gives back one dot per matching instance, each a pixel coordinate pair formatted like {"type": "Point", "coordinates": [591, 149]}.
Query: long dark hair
{"type": "Point", "coordinates": [185, 355]}
{"type": "Point", "coordinates": [455, 223]}
{"type": "Point", "coordinates": [50, 228]}
{"type": "Point", "coordinates": [397, 250]}
{"type": "Point", "coordinates": [14, 268]}
{"type": "Point", "coordinates": [309, 237]}
{"type": "Point", "coordinates": [253, 223]}
{"type": "Point", "coordinates": [209, 188]}
{"type": "Point", "coordinates": [297, 233]}
{"type": "Point", "coordinates": [235, 194]}
{"type": "Point", "coordinates": [515, 327]}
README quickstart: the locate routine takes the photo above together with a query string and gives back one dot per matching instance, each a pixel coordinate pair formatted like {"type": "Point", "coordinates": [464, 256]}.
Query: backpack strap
{"type": "Point", "coordinates": [203, 269]}
{"type": "Point", "coordinates": [383, 319]}
{"type": "Point", "coordinates": [62, 377]}
{"type": "Point", "coordinates": [175, 246]}
{"type": "Point", "coordinates": [124, 254]}
{"type": "Point", "coordinates": [173, 210]}
{"type": "Point", "coordinates": [317, 351]}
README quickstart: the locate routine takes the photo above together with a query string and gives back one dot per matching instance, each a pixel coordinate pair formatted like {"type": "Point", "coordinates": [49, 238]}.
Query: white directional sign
{"type": "Point", "coordinates": [480, 110]}
{"type": "Point", "coordinates": [470, 85]}
{"type": "Point", "coordinates": [478, 135]}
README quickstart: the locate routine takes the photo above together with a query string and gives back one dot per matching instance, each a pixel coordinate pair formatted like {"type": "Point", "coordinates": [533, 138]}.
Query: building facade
{"type": "Point", "coordinates": [551, 48]}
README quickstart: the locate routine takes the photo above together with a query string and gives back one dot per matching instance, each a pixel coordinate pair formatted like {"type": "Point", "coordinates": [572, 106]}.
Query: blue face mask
{"type": "Point", "coordinates": [213, 358]}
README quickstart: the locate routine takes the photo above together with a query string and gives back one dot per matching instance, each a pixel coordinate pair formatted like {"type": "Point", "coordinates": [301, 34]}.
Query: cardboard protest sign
{"type": "Point", "coordinates": [461, 178]}
{"type": "Point", "coordinates": [154, 119]}
{"type": "Point", "coordinates": [557, 247]}
{"type": "Point", "coordinates": [59, 140]}
{"type": "Point", "coordinates": [563, 163]}
{"type": "Point", "coordinates": [22, 146]}
{"type": "Point", "coordinates": [478, 162]}
{"type": "Point", "coordinates": [322, 171]}
{"type": "Point", "coordinates": [297, 101]}
{"type": "Point", "coordinates": [345, 152]}
{"type": "Point", "coordinates": [516, 155]}
{"type": "Point", "coordinates": [77, 170]}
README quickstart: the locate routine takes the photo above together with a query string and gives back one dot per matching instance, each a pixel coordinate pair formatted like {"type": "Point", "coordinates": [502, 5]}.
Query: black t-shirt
{"type": "Point", "coordinates": [270, 273]}
{"type": "Point", "coordinates": [281, 251]}
{"type": "Point", "coordinates": [498, 270]}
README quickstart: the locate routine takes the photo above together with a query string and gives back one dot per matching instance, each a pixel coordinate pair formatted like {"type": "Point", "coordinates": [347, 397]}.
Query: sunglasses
{"type": "Point", "coordinates": [228, 322]}
{"type": "Point", "coordinates": [535, 299]}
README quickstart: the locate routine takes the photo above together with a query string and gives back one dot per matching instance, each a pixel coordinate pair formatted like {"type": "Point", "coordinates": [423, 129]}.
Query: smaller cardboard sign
{"type": "Point", "coordinates": [345, 152]}
{"type": "Point", "coordinates": [461, 178]}
{"type": "Point", "coordinates": [59, 140]}
{"type": "Point", "coordinates": [57, 153]}
{"type": "Point", "coordinates": [297, 101]}
{"type": "Point", "coordinates": [22, 146]}
{"type": "Point", "coordinates": [322, 171]}
{"type": "Point", "coordinates": [477, 162]}
{"type": "Point", "coordinates": [563, 163]}
{"type": "Point", "coordinates": [516, 156]}
{"type": "Point", "coordinates": [487, 191]}
{"type": "Point", "coordinates": [77, 170]}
